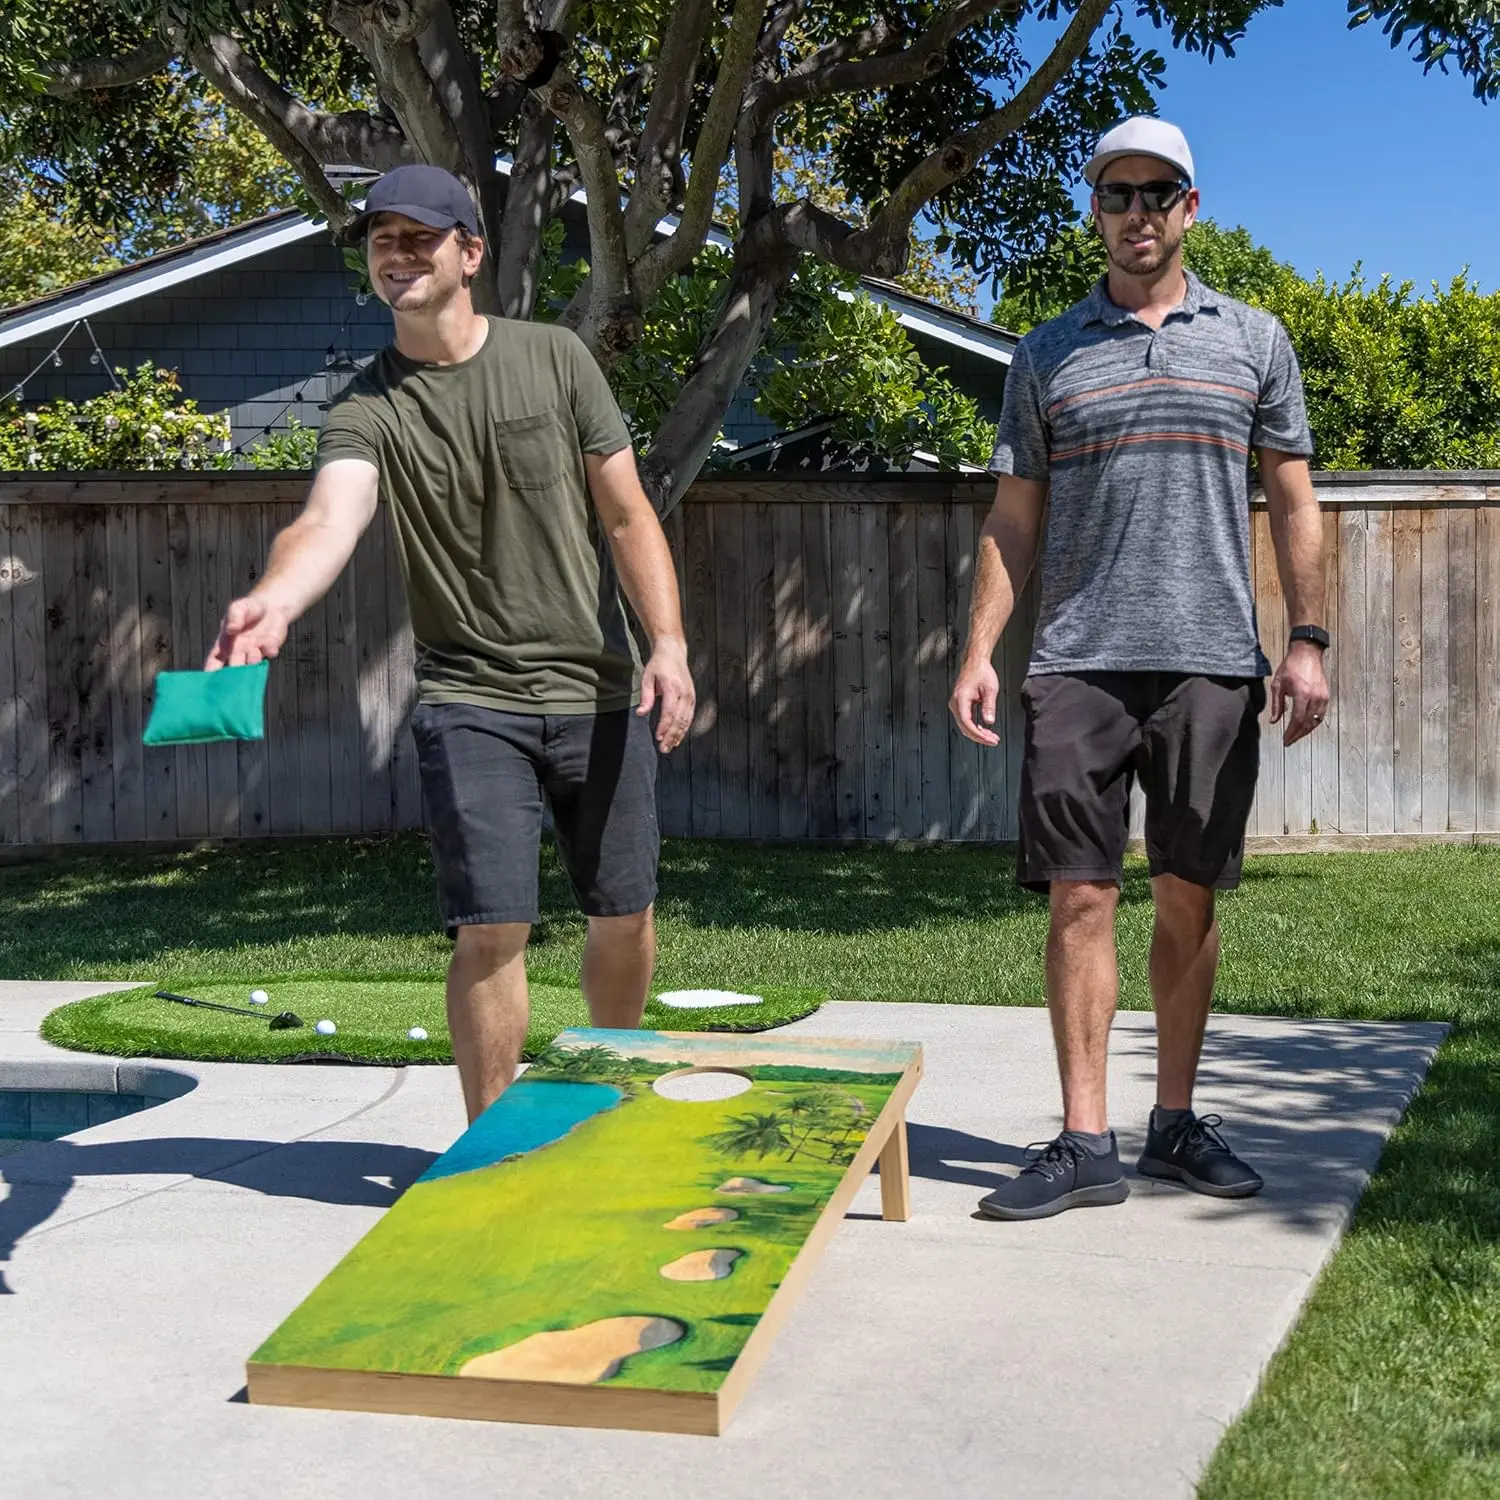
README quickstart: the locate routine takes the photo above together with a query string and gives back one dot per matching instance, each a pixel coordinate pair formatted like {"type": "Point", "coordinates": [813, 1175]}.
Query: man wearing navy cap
{"type": "Point", "coordinates": [1129, 423]}
{"type": "Point", "coordinates": [519, 519]}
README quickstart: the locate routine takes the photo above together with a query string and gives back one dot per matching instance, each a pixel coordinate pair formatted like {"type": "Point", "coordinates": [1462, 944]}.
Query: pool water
{"type": "Point", "coordinates": [49, 1114]}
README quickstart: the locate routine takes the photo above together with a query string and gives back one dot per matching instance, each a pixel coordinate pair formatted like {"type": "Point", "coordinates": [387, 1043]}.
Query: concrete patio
{"type": "Point", "coordinates": [150, 1255]}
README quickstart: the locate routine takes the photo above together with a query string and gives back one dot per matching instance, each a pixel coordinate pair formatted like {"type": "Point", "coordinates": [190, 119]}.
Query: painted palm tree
{"type": "Point", "coordinates": [760, 1135]}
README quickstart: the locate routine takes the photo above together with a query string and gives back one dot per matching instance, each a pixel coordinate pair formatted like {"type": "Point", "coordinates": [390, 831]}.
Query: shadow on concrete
{"type": "Point", "coordinates": [358, 1173]}
{"type": "Point", "coordinates": [1310, 1105]}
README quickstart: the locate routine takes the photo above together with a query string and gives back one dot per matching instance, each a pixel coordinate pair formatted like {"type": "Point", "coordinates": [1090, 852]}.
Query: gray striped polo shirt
{"type": "Point", "coordinates": [1144, 437]}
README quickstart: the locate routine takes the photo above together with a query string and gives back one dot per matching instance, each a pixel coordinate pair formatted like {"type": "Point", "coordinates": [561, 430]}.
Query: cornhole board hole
{"type": "Point", "coordinates": [614, 1243]}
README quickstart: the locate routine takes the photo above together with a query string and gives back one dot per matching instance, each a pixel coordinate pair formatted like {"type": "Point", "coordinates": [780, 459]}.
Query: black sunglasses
{"type": "Point", "coordinates": [1156, 197]}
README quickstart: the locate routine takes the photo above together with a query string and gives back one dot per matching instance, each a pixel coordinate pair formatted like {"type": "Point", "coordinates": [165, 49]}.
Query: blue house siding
{"type": "Point", "coordinates": [252, 337]}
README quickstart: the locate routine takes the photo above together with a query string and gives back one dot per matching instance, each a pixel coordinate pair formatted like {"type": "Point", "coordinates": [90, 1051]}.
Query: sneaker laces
{"type": "Point", "coordinates": [1061, 1154]}
{"type": "Point", "coordinates": [1200, 1137]}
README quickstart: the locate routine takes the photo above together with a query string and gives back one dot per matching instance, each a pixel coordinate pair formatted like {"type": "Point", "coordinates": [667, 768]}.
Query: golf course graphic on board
{"type": "Point", "coordinates": [593, 1252]}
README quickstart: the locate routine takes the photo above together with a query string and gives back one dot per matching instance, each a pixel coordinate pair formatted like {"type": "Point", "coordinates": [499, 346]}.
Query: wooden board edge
{"type": "Point", "coordinates": [539, 1403]}
{"type": "Point", "coordinates": [784, 1298]}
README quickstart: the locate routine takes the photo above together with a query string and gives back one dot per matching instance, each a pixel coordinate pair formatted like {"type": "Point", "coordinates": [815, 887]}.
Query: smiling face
{"type": "Point", "coordinates": [417, 269]}
{"type": "Point", "coordinates": [1138, 241]}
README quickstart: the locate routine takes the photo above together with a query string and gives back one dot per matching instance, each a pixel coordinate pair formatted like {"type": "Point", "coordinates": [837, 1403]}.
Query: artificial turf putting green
{"type": "Point", "coordinates": [373, 1015]}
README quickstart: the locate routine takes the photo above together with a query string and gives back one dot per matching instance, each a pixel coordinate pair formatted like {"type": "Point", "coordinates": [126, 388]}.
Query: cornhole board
{"type": "Point", "coordinates": [593, 1253]}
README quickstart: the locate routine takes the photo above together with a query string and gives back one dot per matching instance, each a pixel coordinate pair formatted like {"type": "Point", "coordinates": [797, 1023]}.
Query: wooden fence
{"type": "Point", "coordinates": [824, 619]}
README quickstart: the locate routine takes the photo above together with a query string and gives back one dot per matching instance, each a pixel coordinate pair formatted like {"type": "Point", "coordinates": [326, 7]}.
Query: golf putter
{"type": "Point", "coordinates": [288, 1020]}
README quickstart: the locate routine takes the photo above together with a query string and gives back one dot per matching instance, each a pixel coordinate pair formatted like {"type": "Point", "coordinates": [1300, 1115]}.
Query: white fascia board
{"type": "Point", "coordinates": [90, 302]}
{"type": "Point", "coordinates": [935, 326]}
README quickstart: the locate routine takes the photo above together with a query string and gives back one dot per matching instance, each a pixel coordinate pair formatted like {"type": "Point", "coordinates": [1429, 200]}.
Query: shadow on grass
{"type": "Point", "coordinates": [343, 1172]}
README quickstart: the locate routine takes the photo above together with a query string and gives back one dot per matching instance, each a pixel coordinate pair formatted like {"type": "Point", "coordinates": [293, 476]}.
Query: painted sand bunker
{"type": "Point", "coordinates": [563, 1292]}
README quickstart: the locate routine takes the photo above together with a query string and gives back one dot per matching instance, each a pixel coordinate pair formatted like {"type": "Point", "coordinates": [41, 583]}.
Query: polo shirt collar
{"type": "Point", "coordinates": [1098, 308]}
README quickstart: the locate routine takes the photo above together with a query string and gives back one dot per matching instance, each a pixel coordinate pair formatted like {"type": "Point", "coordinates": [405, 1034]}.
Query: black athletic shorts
{"type": "Point", "coordinates": [1192, 742]}
{"type": "Point", "coordinates": [484, 776]}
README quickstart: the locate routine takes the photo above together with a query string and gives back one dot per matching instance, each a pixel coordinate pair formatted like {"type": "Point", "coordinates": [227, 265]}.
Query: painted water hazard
{"type": "Point", "coordinates": [526, 1117]}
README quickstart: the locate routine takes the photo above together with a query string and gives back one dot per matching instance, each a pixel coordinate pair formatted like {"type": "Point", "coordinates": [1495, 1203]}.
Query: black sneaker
{"type": "Point", "coordinates": [1064, 1174]}
{"type": "Point", "coordinates": [1196, 1155]}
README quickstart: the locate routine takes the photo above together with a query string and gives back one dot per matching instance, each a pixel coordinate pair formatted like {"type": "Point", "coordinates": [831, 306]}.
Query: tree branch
{"type": "Point", "coordinates": [92, 73]}
{"type": "Point", "coordinates": [669, 256]}
{"type": "Point", "coordinates": [686, 436]}
{"type": "Point", "coordinates": [658, 175]}
{"type": "Point", "coordinates": [881, 248]}
{"type": "Point", "coordinates": [776, 29]}
{"type": "Point", "coordinates": [867, 61]}
{"type": "Point", "coordinates": [249, 89]}
{"type": "Point", "coordinates": [521, 50]}
{"type": "Point", "coordinates": [604, 313]}
{"type": "Point", "coordinates": [528, 207]}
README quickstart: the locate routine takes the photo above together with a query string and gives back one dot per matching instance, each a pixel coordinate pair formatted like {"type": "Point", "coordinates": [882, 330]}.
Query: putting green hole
{"type": "Point", "coordinates": [701, 1085]}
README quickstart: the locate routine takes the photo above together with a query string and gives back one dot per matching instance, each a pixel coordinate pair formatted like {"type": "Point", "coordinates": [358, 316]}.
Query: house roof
{"type": "Point", "coordinates": [229, 247]}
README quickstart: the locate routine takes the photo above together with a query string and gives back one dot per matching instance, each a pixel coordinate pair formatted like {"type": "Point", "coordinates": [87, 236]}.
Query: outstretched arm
{"type": "Point", "coordinates": [1297, 532]}
{"type": "Point", "coordinates": [644, 563]}
{"type": "Point", "coordinates": [305, 559]}
{"type": "Point", "coordinates": [1007, 551]}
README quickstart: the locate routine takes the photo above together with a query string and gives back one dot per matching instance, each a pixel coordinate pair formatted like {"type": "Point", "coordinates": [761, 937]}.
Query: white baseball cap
{"type": "Point", "coordinates": [1141, 135]}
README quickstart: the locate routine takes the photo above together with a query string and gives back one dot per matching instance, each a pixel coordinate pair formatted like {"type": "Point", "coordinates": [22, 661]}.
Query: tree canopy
{"type": "Point", "coordinates": [925, 113]}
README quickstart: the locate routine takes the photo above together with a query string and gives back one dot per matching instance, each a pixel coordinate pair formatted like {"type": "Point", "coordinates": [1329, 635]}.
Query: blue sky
{"type": "Point", "coordinates": [1330, 147]}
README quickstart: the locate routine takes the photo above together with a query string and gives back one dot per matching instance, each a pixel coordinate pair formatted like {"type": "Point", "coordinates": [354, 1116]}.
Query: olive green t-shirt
{"type": "Point", "coordinates": [513, 595]}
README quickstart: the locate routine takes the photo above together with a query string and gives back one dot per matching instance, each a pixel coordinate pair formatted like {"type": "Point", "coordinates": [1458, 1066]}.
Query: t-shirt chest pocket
{"type": "Point", "coordinates": [534, 451]}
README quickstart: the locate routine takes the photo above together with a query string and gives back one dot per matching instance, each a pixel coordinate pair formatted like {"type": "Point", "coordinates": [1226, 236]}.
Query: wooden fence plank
{"type": "Point", "coordinates": [819, 680]}
{"type": "Point", "coordinates": [1463, 682]}
{"type": "Point", "coordinates": [11, 573]}
{"type": "Point", "coordinates": [703, 656]}
{"type": "Point", "coordinates": [189, 646]}
{"type": "Point", "coordinates": [249, 542]}
{"type": "Point", "coordinates": [373, 699]}
{"type": "Point", "coordinates": [1487, 669]}
{"type": "Point", "coordinates": [122, 533]}
{"type": "Point", "coordinates": [93, 667]}
{"type": "Point", "coordinates": [1406, 674]}
{"type": "Point", "coordinates": [730, 605]}
{"type": "Point", "coordinates": [1010, 722]}
{"type": "Point", "coordinates": [216, 589]}
{"type": "Point", "coordinates": [1380, 731]}
{"type": "Point", "coordinates": [1325, 739]}
{"type": "Point", "coordinates": [847, 577]}
{"type": "Point", "coordinates": [793, 640]}
{"type": "Point", "coordinates": [936, 654]}
{"type": "Point", "coordinates": [64, 652]}
{"type": "Point", "coordinates": [310, 664]}
{"type": "Point", "coordinates": [406, 778]}
{"type": "Point", "coordinates": [674, 788]}
{"type": "Point", "coordinates": [906, 674]}
{"type": "Point", "coordinates": [1270, 816]}
{"type": "Point", "coordinates": [283, 720]}
{"type": "Point", "coordinates": [875, 645]}
{"type": "Point", "coordinates": [29, 624]}
{"type": "Point", "coordinates": [764, 700]}
{"type": "Point", "coordinates": [963, 754]}
{"type": "Point", "coordinates": [1436, 688]}
{"type": "Point", "coordinates": [1354, 673]}
{"type": "Point", "coordinates": [154, 555]}
{"type": "Point", "coordinates": [346, 747]}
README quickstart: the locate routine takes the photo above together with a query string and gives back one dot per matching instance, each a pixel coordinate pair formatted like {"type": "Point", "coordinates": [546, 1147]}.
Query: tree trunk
{"type": "Point", "coordinates": [687, 433]}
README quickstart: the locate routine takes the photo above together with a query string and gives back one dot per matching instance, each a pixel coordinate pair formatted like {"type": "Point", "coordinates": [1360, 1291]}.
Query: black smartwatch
{"type": "Point", "coordinates": [1314, 633]}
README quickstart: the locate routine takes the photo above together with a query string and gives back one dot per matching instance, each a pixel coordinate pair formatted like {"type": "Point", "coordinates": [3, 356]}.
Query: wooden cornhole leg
{"type": "Point", "coordinates": [895, 1174]}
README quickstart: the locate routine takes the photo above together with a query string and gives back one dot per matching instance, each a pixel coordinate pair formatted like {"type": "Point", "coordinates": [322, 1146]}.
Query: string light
{"type": "Point", "coordinates": [54, 357]}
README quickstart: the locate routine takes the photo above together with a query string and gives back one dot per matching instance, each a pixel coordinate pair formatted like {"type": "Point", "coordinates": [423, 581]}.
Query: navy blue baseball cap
{"type": "Point", "coordinates": [425, 193]}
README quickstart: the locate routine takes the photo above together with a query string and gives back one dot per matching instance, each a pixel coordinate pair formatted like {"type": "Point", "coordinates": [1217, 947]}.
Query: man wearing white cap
{"type": "Point", "coordinates": [1129, 423]}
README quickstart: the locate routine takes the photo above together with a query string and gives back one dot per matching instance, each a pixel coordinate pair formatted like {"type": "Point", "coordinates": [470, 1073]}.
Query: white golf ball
{"type": "Point", "coordinates": [258, 997]}
{"type": "Point", "coordinates": [325, 1028]}
{"type": "Point", "coordinates": [417, 1034]}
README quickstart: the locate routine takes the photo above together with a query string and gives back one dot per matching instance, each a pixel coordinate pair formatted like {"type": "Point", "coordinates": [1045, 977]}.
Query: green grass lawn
{"type": "Point", "coordinates": [1390, 1385]}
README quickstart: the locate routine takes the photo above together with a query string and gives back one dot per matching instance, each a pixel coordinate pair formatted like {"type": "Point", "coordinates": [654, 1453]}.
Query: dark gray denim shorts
{"type": "Point", "coordinates": [485, 774]}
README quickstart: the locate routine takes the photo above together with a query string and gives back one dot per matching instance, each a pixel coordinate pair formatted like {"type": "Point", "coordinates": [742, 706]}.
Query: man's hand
{"type": "Point", "coordinates": [253, 631]}
{"type": "Point", "coordinates": [978, 686]}
{"type": "Point", "coordinates": [1300, 683]}
{"type": "Point", "coordinates": [667, 680]}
